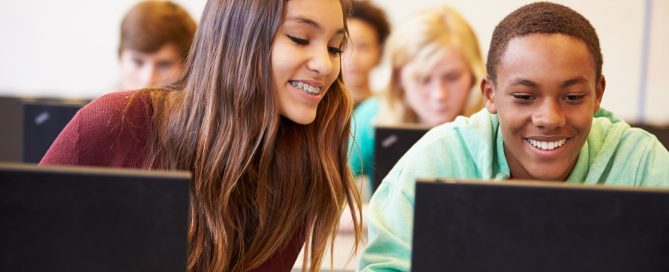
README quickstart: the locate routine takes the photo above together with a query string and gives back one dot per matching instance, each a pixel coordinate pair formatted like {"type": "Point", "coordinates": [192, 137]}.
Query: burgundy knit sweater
{"type": "Point", "coordinates": [97, 136]}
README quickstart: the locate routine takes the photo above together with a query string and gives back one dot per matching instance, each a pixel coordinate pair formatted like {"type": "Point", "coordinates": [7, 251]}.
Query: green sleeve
{"type": "Point", "coordinates": [445, 151]}
{"type": "Point", "coordinates": [391, 209]}
{"type": "Point", "coordinates": [652, 171]}
{"type": "Point", "coordinates": [390, 231]}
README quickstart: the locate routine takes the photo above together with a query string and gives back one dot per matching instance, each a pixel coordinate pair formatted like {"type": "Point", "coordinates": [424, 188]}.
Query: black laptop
{"type": "Point", "coordinates": [82, 219]}
{"type": "Point", "coordinates": [390, 144]}
{"type": "Point", "coordinates": [42, 123]}
{"type": "Point", "coordinates": [10, 129]}
{"type": "Point", "coordinates": [533, 226]}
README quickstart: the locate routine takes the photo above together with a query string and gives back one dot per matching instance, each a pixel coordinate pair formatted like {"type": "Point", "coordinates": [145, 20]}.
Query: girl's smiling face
{"type": "Point", "coordinates": [545, 97]}
{"type": "Point", "coordinates": [306, 56]}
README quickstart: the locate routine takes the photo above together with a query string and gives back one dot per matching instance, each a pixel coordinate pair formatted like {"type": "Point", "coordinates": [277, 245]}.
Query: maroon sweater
{"type": "Point", "coordinates": [98, 136]}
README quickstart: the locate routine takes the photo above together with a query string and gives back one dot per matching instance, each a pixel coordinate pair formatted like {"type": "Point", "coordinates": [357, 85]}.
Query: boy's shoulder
{"type": "Point", "coordinates": [622, 155]}
{"type": "Point", "coordinates": [472, 131]}
{"type": "Point", "coordinates": [607, 127]}
{"type": "Point", "coordinates": [462, 148]}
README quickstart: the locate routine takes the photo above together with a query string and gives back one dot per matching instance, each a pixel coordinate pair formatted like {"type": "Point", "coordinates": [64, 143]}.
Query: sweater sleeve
{"type": "Point", "coordinates": [107, 132]}
{"type": "Point", "coordinates": [284, 259]}
{"type": "Point", "coordinates": [64, 150]}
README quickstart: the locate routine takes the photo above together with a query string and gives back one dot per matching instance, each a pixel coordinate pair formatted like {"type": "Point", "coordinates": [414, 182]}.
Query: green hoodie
{"type": "Point", "coordinates": [614, 154]}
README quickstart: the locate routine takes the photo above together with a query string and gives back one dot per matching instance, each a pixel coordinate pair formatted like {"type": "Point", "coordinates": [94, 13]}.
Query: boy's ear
{"type": "Point", "coordinates": [488, 93]}
{"type": "Point", "coordinates": [599, 93]}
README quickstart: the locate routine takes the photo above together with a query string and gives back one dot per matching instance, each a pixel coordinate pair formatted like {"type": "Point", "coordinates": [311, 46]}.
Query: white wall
{"type": "Point", "coordinates": [657, 95]}
{"type": "Point", "coordinates": [64, 49]}
{"type": "Point", "coordinates": [68, 48]}
{"type": "Point", "coordinates": [619, 24]}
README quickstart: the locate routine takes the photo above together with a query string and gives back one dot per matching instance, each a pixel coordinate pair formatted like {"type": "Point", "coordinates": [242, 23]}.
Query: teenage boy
{"type": "Point", "coordinates": [542, 121]}
{"type": "Point", "coordinates": [155, 39]}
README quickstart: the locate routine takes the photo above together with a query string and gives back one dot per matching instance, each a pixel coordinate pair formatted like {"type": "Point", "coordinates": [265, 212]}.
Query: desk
{"type": "Point", "coordinates": [342, 251]}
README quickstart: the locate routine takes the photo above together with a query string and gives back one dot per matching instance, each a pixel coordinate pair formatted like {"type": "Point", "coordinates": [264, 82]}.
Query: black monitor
{"type": "Point", "coordinates": [390, 144]}
{"type": "Point", "coordinates": [42, 123]}
{"type": "Point", "coordinates": [539, 226]}
{"type": "Point", "coordinates": [83, 219]}
{"type": "Point", "coordinates": [10, 129]}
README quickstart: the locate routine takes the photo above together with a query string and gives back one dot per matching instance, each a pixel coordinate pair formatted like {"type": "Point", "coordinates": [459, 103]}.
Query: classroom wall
{"type": "Point", "coordinates": [64, 49]}
{"type": "Point", "coordinates": [656, 108]}
{"type": "Point", "coordinates": [68, 49]}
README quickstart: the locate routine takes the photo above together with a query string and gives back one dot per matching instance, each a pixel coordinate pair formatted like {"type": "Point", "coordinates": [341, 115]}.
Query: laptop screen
{"type": "Point", "coordinates": [42, 123]}
{"type": "Point", "coordinates": [390, 144]}
{"type": "Point", "coordinates": [92, 219]}
{"type": "Point", "coordinates": [532, 226]}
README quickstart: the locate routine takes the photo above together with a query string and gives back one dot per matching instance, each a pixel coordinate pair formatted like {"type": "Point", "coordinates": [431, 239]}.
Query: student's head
{"type": "Point", "coordinates": [544, 82]}
{"type": "Point", "coordinates": [155, 39]}
{"type": "Point", "coordinates": [368, 28]}
{"type": "Point", "coordinates": [272, 51]}
{"type": "Point", "coordinates": [261, 118]}
{"type": "Point", "coordinates": [305, 56]}
{"type": "Point", "coordinates": [435, 62]}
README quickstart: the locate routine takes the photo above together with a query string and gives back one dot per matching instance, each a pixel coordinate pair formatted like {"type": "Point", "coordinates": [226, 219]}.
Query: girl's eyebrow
{"type": "Point", "coordinates": [312, 23]}
{"type": "Point", "coordinates": [303, 20]}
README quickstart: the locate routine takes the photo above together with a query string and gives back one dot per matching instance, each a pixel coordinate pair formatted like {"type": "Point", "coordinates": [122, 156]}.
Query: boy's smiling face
{"type": "Point", "coordinates": [545, 96]}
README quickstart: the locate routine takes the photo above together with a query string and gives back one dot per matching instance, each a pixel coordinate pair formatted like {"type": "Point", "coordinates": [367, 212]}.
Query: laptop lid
{"type": "Point", "coordinates": [83, 219]}
{"type": "Point", "coordinates": [539, 226]}
{"type": "Point", "coordinates": [10, 129]}
{"type": "Point", "coordinates": [42, 123]}
{"type": "Point", "coordinates": [390, 144]}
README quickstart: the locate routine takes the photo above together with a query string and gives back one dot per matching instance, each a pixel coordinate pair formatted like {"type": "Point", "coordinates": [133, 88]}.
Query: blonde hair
{"type": "Point", "coordinates": [426, 37]}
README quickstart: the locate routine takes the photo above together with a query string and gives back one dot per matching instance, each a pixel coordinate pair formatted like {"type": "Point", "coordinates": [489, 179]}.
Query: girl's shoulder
{"type": "Point", "coordinates": [371, 103]}
{"type": "Point", "coordinates": [118, 105]}
{"type": "Point", "coordinates": [110, 131]}
{"type": "Point", "coordinates": [367, 109]}
{"type": "Point", "coordinates": [116, 115]}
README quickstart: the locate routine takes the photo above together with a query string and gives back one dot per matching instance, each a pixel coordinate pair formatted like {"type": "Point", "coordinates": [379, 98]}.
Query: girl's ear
{"type": "Point", "coordinates": [488, 93]}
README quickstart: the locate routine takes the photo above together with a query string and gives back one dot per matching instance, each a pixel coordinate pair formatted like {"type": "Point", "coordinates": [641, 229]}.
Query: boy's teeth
{"type": "Point", "coordinates": [306, 87]}
{"type": "Point", "coordinates": [547, 145]}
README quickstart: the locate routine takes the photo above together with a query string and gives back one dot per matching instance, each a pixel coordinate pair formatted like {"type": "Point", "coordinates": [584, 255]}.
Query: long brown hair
{"type": "Point", "coordinates": [259, 178]}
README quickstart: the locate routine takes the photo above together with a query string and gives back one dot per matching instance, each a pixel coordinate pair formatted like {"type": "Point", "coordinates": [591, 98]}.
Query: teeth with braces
{"type": "Point", "coordinates": [547, 145]}
{"type": "Point", "coordinates": [306, 87]}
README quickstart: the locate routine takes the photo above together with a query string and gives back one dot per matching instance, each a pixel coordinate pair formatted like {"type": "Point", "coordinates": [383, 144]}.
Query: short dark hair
{"type": "Point", "coordinates": [546, 18]}
{"type": "Point", "coordinates": [374, 16]}
{"type": "Point", "coordinates": [151, 24]}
